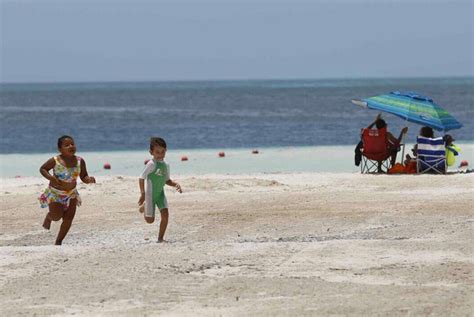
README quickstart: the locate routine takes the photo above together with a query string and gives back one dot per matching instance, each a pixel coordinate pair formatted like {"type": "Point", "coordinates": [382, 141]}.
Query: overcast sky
{"type": "Point", "coordinates": [137, 40]}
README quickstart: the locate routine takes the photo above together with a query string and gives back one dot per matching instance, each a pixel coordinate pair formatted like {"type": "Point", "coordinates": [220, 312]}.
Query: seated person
{"type": "Point", "coordinates": [452, 150]}
{"type": "Point", "coordinates": [426, 132]}
{"type": "Point", "coordinates": [393, 143]}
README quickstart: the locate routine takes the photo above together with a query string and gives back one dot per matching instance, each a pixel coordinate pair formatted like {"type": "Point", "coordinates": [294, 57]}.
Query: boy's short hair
{"type": "Point", "coordinates": [62, 138]}
{"type": "Point", "coordinates": [157, 141]}
{"type": "Point", "coordinates": [380, 123]}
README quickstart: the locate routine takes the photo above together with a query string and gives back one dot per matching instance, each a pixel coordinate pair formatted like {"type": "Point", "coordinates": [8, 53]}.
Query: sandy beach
{"type": "Point", "coordinates": [258, 244]}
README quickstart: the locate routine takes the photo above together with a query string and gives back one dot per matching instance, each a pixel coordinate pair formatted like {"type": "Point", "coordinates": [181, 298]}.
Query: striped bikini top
{"type": "Point", "coordinates": [64, 173]}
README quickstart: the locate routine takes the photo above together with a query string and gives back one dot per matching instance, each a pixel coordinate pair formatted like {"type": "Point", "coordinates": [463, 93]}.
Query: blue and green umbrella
{"type": "Point", "coordinates": [412, 107]}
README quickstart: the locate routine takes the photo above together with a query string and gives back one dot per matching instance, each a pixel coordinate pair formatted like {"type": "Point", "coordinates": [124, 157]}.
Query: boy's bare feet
{"type": "Point", "coordinates": [162, 241]}
{"type": "Point", "coordinates": [141, 208]}
{"type": "Point", "coordinates": [47, 223]}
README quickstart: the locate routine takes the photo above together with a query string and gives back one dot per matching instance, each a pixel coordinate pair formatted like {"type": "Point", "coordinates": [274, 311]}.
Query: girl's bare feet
{"type": "Point", "coordinates": [47, 223]}
{"type": "Point", "coordinates": [162, 241]}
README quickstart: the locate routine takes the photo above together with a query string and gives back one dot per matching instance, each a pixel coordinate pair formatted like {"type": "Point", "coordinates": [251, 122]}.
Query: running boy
{"type": "Point", "coordinates": [156, 174]}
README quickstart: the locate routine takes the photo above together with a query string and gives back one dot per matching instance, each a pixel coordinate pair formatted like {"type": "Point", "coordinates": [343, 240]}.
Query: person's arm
{"type": "Point", "coordinates": [141, 181]}
{"type": "Point", "coordinates": [373, 123]}
{"type": "Point", "coordinates": [392, 139]}
{"type": "Point", "coordinates": [141, 185]}
{"type": "Point", "coordinates": [402, 132]}
{"type": "Point", "coordinates": [169, 182]}
{"type": "Point", "coordinates": [84, 175]}
{"type": "Point", "coordinates": [415, 150]}
{"type": "Point", "coordinates": [453, 148]}
{"type": "Point", "coordinates": [46, 167]}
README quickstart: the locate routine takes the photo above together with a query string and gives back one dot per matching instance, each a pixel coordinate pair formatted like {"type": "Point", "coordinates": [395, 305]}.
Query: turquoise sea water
{"type": "Point", "coordinates": [339, 159]}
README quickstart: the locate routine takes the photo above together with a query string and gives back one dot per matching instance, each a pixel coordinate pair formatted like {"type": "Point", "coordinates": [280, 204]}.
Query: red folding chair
{"type": "Point", "coordinates": [375, 149]}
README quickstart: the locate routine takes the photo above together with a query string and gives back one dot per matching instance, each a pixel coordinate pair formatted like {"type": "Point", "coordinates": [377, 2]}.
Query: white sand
{"type": "Point", "coordinates": [262, 244]}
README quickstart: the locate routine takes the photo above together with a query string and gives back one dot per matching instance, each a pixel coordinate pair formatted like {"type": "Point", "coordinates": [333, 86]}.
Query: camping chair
{"type": "Point", "coordinates": [375, 149]}
{"type": "Point", "coordinates": [431, 155]}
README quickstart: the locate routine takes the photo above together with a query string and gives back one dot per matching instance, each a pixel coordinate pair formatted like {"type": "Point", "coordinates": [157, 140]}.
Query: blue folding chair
{"type": "Point", "coordinates": [431, 155]}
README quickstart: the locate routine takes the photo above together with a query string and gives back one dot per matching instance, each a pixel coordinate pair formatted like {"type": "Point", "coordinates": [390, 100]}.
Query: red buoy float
{"type": "Point", "coordinates": [221, 154]}
{"type": "Point", "coordinates": [184, 158]}
{"type": "Point", "coordinates": [255, 151]}
{"type": "Point", "coordinates": [107, 166]}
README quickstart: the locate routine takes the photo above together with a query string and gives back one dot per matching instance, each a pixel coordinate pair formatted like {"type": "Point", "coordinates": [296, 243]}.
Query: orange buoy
{"type": "Point", "coordinates": [255, 151]}
{"type": "Point", "coordinates": [184, 158]}
{"type": "Point", "coordinates": [145, 162]}
{"type": "Point", "coordinates": [107, 166]}
{"type": "Point", "coordinates": [221, 154]}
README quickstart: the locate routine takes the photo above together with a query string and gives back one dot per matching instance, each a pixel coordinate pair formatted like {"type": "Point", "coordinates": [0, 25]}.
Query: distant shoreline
{"type": "Point", "coordinates": [296, 159]}
{"type": "Point", "coordinates": [408, 145]}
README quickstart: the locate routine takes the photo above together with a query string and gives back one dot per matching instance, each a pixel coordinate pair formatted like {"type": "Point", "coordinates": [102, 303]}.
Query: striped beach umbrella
{"type": "Point", "coordinates": [412, 107]}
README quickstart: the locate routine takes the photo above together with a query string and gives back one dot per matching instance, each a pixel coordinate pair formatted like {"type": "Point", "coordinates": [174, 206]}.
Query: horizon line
{"type": "Point", "coordinates": [234, 80]}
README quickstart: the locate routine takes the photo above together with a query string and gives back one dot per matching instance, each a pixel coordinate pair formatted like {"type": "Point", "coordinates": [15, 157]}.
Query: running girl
{"type": "Point", "coordinates": [61, 195]}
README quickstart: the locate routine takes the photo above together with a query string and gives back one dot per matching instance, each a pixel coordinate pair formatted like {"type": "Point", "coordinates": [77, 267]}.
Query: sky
{"type": "Point", "coordinates": [138, 40]}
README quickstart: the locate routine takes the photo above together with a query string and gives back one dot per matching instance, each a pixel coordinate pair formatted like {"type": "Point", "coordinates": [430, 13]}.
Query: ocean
{"type": "Point", "coordinates": [114, 121]}
{"type": "Point", "coordinates": [210, 114]}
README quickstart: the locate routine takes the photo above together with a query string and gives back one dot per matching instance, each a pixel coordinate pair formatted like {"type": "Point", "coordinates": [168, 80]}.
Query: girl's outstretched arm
{"type": "Point", "coordinates": [84, 176]}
